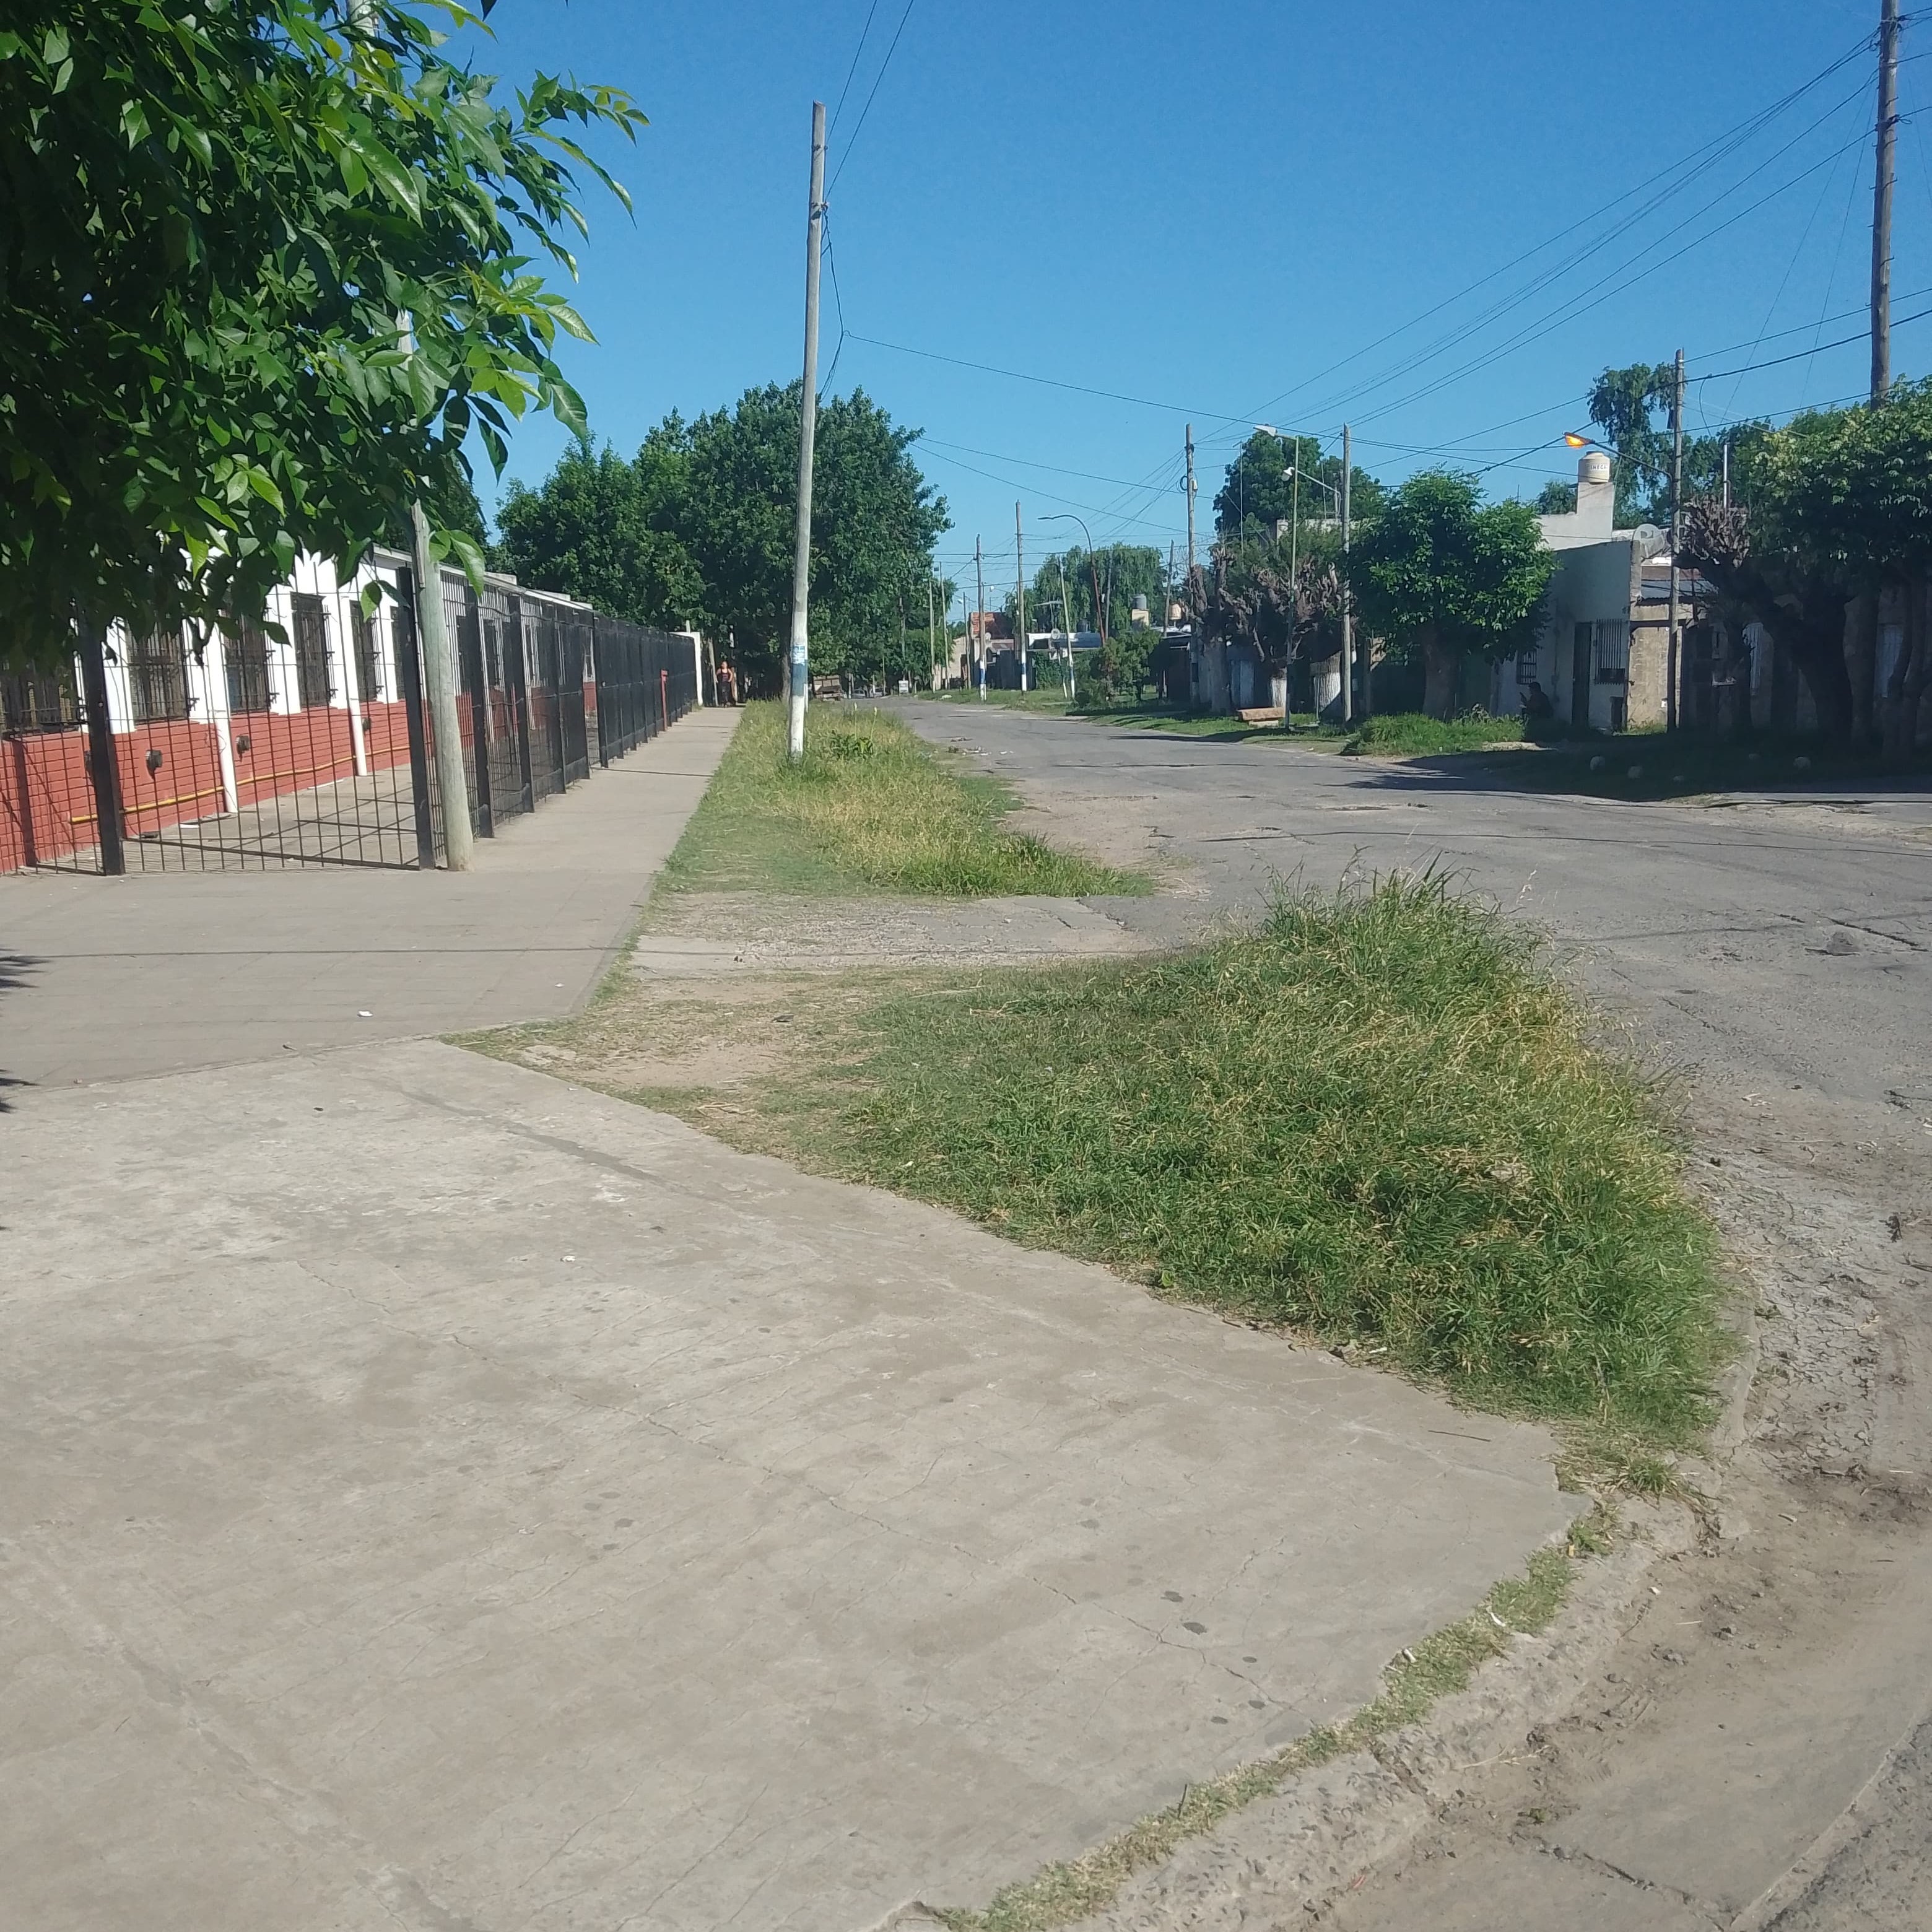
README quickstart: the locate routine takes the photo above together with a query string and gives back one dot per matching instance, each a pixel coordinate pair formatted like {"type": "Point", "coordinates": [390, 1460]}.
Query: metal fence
{"type": "Point", "coordinates": [305, 741]}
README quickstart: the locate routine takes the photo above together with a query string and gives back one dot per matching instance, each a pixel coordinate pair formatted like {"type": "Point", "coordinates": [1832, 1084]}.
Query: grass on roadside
{"type": "Point", "coordinates": [1441, 1664]}
{"type": "Point", "coordinates": [1410, 734]}
{"type": "Point", "coordinates": [1379, 1119]}
{"type": "Point", "coordinates": [870, 806]}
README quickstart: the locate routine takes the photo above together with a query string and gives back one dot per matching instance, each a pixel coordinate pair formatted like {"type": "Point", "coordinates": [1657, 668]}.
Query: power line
{"type": "Point", "coordinates": [1588, 299]}
{"type": "Point", "coordinates": [876, 78]}
{"type": "Point", "coordinates": [1711, 151]}
{"type": "Point", "coordinates": [1021, 375]}
{"type": "Point", "coordinates": [854, 67]}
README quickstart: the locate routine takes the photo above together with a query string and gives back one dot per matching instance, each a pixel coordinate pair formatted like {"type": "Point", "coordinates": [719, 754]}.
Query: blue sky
{"type": "Point", "coordinates": [1208, 207]}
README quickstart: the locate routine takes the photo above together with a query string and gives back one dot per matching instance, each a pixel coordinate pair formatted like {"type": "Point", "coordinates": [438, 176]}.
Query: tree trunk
{"type": "Point", "coordinates": [1818, 650]}
{"type": "Point", "coordinates": [1441, 674]}
{"type": "Point", "coordinates": [1905, 688]}
{"type": "Point", "coordinates": [1861, 650]}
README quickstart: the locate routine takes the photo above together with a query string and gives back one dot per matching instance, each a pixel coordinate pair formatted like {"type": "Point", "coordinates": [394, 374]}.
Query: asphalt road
{"type": "Point", "coordinates": [1757, 1752]}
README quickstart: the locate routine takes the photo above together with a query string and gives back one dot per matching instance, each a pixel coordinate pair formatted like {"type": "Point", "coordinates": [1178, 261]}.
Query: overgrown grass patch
{"type": "Point", "coordinates": [1410, 734]}
{"type": "Point", "coordinates": [1379, 1119]}
{"type": "Point", "coordinates": [870, 806]}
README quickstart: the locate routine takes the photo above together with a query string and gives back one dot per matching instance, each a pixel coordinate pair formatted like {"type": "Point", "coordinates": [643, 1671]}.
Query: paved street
{"type": "Point", "coordinates": [1776, 953]}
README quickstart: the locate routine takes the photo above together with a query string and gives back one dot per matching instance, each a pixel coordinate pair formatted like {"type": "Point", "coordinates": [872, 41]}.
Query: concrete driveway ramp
{"type": "Point", "coordinates": [439, 1497]}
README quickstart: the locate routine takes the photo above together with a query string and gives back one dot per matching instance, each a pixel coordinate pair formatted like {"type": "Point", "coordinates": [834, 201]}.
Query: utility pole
{"type": "Point", "coordinates": [1347, 609]}
{"type": "Point", "coordinates": [976, 631]}
{"type": "Point", "coordinates": [1727, 473]}
{"type": "Point", "coordinates": [1881, 186]}
{"type": "Point", "coordinates": [446, 733]}
{"type": "Point", "coordinates": [1670, 705]}
{"type": "Point", "coordinates": [1019, 595]}
{"type": "Point", "coordinates": [931, 640]}
{"type": "Point", "coordinates": [801, 567]}
{"type": "Point", "coordinates": [1066, 625]}
{"type": "Point", "coordinates": [102, 772]}
{"type": "Point", "coordinates": [1190, 499]}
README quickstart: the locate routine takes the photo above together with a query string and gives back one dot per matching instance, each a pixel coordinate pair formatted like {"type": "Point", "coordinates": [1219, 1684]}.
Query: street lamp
{"type": "Point", "coordinates": [1099, 618]}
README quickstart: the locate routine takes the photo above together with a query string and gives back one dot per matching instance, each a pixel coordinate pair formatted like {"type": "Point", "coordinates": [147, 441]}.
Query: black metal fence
{"type": "Point", "coordinates": [646, 681]}
{"type": "Point", "coordinates": [313, 747]}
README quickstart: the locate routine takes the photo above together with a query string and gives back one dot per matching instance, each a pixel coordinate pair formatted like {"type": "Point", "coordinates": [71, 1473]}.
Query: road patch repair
{"type": "Point", "coordinates": [442, 1495]}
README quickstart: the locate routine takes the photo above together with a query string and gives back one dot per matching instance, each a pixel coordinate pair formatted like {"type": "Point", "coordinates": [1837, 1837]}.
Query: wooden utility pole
{"type": "Point", "coordinates": [800, 659]}
{"type": "Point", "coordinates": [1348, 608]}
{"type": "Point", "coordinates": [1673, 655]}
{"type": "Point", "coordinates": [975, 630]}
{"type": "Point", "coordinates": [1019, 595]}
{"type": "Point", "coordinates": [1881, 186]}
{"type": "Point", "coordinates": [1190, 500]}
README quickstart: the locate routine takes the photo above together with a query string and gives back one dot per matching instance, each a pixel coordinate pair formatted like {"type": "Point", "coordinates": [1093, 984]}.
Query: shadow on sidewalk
{"type": "Point", "coordinates": [14, 968]}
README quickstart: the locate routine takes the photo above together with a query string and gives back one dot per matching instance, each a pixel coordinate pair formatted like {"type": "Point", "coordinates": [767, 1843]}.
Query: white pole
{"type": "Point", "coordinates": [798, 660]}
{"type": "Point", "coordinates": [1019, 595]}
{"type": "Point", "coordinates": [351, 674]}
{"type": "Point", "coordinates": [214, 691]}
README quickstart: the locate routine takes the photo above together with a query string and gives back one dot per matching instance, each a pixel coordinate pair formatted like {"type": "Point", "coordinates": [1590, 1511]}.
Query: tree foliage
{"type": "Point", "coordinates": [1258, 492]}
{"type": "Point", "coordinates": [697, 530]}
{"type": "Point", "coordinates": [265, 265]}
{"type": "Point", "coordinates": [1830, 511]}
{"type": "Point", "coordinates": [1632, 408]}
{"type": "Point", "coordinates": [1439, 574]}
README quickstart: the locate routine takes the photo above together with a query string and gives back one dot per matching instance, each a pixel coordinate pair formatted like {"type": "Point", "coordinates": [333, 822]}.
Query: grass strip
{"type": "Point", "coordinates": [1380, 1119]}
{"type": "Point", "coordinates": [870, 806]}
{"type": "Point", "coordinates": [1441, 1664]}
{"type": "Point", "coordinates": [1410, 734]}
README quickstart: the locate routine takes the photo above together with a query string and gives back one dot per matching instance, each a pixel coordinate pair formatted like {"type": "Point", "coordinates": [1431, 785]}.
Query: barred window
{"type": "Point", "coordinates": [157, 677]}
{"type": "Point", "coordinates": [34, 701]}
{"type": "Point", "coordinates": [246, 654]}
{"type": "Point", "coordinates": [314, 688]}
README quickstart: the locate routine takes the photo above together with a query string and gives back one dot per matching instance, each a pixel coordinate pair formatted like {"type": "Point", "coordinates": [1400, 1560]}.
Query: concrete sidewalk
{"type": "Point", "coordinates": [107, 979]}
{"type": "Point", "coordinates": [440, 1497]}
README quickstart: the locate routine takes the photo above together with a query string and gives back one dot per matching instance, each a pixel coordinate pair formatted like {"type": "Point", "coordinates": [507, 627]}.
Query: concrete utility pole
{"type": "Point", "coordinates": [801, 566]}
{"type": "Point", "coordinates": [1347, 609]}
{"type": "Point", "coordinates": [976, 629]}
{"type": "Point", "coordinates": [1881, 186]}
{"type": "Point", "coordinates": [932, 640]}
{"type": "Point", "coordinates": [445, 734]}
{"type": "Point", "coordinates": [1190, 499]}
{"type": "Point", "coordinates": [103, 773]}
{"type": "Point", "coordinates": [1670, 705]}
{"type": "Point", "coordinates": [1019, 595]}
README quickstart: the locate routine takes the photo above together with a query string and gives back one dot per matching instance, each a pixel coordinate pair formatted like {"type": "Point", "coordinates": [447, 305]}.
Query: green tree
{"type": "Point", "coordinates": [606, 530]}
{"type": "Point", "coordinates": [1556, 499]}
{"type": "Point", "coordinates": [215, 222]}
{"type": "Point", "coordinates": [1632, 408]}
{"type": "Point", "coordinates": [698, 529]}
{"type": "Point", "coordinates": [1830, 511]}
{"type": "Point", "coordinates": [1257, 491]}
{"type": "Point", "coordinates": [1439, 574]}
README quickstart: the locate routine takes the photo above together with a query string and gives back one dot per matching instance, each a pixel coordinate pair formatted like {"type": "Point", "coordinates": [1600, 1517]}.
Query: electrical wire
{"type": "Point", "coordinates": [1690, 166]}
{"type": "Point", "coordinates": [854, 67]}
{"type": "Point", "coordinates": [876, 78]}
{"type": "Point", "coordinates": [1583, 303]}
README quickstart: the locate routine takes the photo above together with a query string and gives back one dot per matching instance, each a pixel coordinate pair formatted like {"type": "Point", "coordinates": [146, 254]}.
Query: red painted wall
{"type": "Point", "coordinates": [47, 804]}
